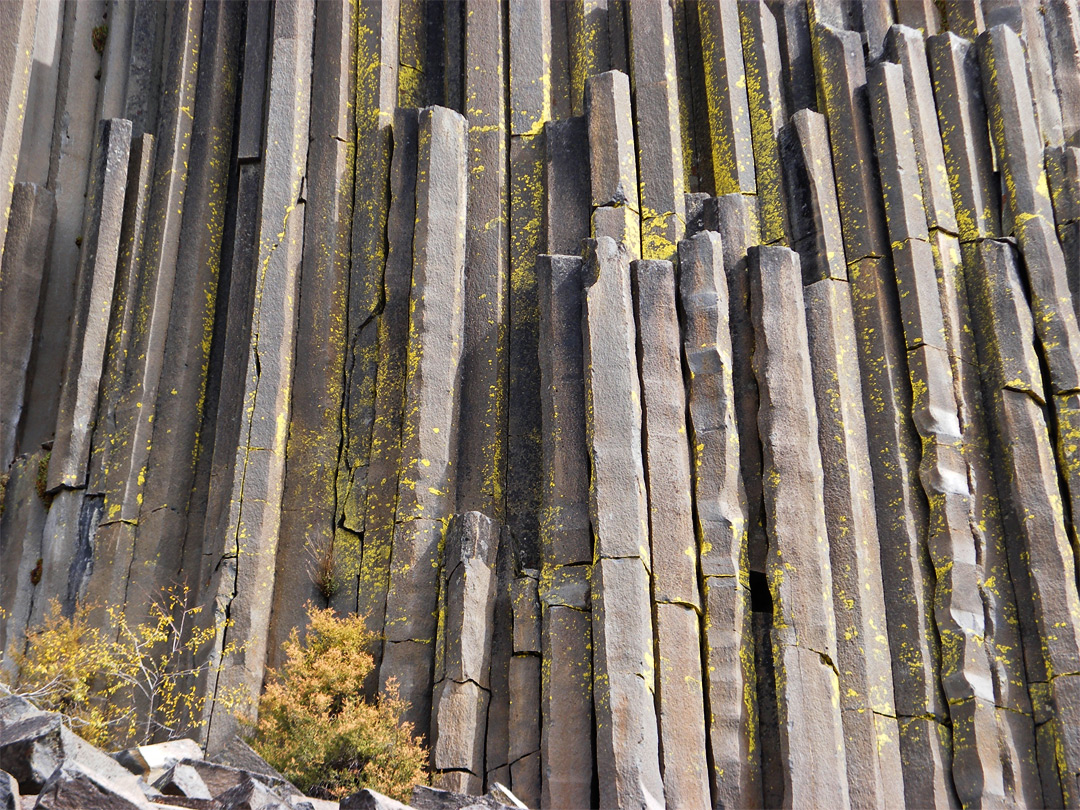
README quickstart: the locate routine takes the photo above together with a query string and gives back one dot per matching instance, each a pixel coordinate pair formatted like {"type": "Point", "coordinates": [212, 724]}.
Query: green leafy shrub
{"type": "Point", "coordinates": [315, 726]}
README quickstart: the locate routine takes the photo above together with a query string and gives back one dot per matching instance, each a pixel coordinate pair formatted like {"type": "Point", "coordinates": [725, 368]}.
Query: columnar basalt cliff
{"type": "Point", "coordinates": [686, 392]}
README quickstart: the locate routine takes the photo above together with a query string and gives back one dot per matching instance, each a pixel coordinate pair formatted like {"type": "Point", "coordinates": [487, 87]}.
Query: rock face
{"type": "Point", "coordinates": [687, 392]}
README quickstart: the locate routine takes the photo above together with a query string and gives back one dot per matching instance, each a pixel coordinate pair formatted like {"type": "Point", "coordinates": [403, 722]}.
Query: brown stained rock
{"type": "Point", "coordinates": [566, 182]}
{"type": "Point", "coordinates": [681, 709]}
{"type": "Point", "coordinates": [566, 707]}
{"type": "Point", "coordinates": [811, 195]}
{"type": "Point", "coordinates": [966, 141]}
{"type": "Point", "coordinates": [764, 69]}
{"type": "Point", "coordinates": [565, 535]}
{"type": "Point", "coordinates": [907, 47]}
{"type": "Point", "coordinates": [414, 577]}
{"type": "Point", "coordinates": [1055, 320]}
{"type": "Point", "coordinates": [799, 570]}
{"type": "Point", "coordinates": [1014, 128]}
{"type": "Point", "coordinates": [838, 55]}
{"type": "Point", "coordinates": [466, 599]}
{"type": "Point", "coordinates": [526, 607]}
{"type": "Point", "coordinates": [410, 665]}
{"type": "Point", "coordinates": [77, 408]}
{"type": "Point", "coordinates": [617, 500]}
{"type": "Point", "coordinates": [800, 577]}
{"type": "Point", "coordinates": [727, 102]}
{"type": "Point", "coordinates": [526, 777]}
{"type": "Point", "coordinates": [728, 664]}
{"type": "Point", "coordinates": [524, 706]}
{"type": "Point", "coordinates": [530, 67]}
{"type": "Point", "coordinates": [897, 164]}
{"type": "Point", "coordinates": [620, 223]}
{"type": "Point", "coordinates": [864, 657]}
{"type": "Point", "coordinates": [21, 280]}
{"type": "Point", "coordinates": [719, 501]}
{"type": "Point", "coordinates": [458, 722]}
{"type": "Point", "coordinates": [667, 453]}
{"type": "Point", "coordinates": [627, 745]}
{"type": "Point", "coordinates": [811, 734]}
{"type": "Point", "coordinates": [612, 161]}
{"type": "Point", "coordinates": [926, 741]}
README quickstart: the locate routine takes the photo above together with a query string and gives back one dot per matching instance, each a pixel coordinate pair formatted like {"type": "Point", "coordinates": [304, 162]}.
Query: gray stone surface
{"type": "Point", "coordinates": [21, 277]}
{"type": "Point", "coordinates": [804, 632]}
{"type": "Point", "coordinates": [612, 162]}
{"type": "Point", "coordinates": [567, 183]}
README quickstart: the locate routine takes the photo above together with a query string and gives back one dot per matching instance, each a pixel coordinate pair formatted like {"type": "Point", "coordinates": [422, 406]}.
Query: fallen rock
{"type": "Point", "coordinates": [183, 780]}
{"type": "Point", "coordinates": [142, 759]}
{"type": "Point", "coordinates": [371, 800]}
{"type": "Point", "coordinates": [429, 798]}
{"type": "Point", "coordinates": [9, 792]}
{"type": "Point", "coordinates": [73, 786]}
{"type": "Point", "coordinates": [238, 754]}
{"type": "Point", "coordinates": [251, 794]}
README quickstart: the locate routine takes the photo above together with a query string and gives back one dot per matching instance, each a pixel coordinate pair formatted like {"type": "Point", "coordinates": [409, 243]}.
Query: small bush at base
{"type": "Point", "coordinates": [315, 726]}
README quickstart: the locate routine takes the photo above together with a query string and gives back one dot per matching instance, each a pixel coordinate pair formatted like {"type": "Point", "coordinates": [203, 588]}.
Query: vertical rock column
{"type": "Point", "coordinates": [244, 578]}
{"type": "Point", "coordinates": [530, 109]}
{"type": "Point", "coordinates": [800, 576]}
{"type": "Point", "coordinates": [761, 57]}
{"type": "Point", "coordinates": [482, 456]}
{"type": "Point", "coordinates": [657, 132]}
{"type": "Point", "coordinates": [18, 21]}
{"type": "Point", "coordinates": [907, 572]}
{"type": "Point", "coordinates": [1012, 653]}
{"type": "Point", "coordinates": [613, 166]}
{"type": "Point", "coordinates": [432, 385]}
{"type": "Point", "coordinates": [1019, 152]}
{"type": "Point", "coordinates": [675, 593]}
{"type": "Point", "coordinates": [377, 67]}
{"type": "Point", "coordinates": [68, 531]}
{"type": "Point", "coordinates": [1063, 170]}
{"type": "Point", "coordinates": [725, 93]}
{"type": "Point", "coordinates": [721, 524]}
{"type": "Point", "coordinates": [958, 602]}
{"type": "Point", "coordinates": [305, 560]}
{"type": "Point", "coordinates": [23, 264]}
{"type": "Point", "coordinates": [566, 549]}
{"type": "Point", "coordinates": [382, 493]}
{"type": "Point", "coordinates": [1042, 560]}
{"type": "Point", "coordinates": [524, 688]}
{"type": "Point", "coordinates": [623, 663]}
{"type": "Point", "coordinates": [463, 653]}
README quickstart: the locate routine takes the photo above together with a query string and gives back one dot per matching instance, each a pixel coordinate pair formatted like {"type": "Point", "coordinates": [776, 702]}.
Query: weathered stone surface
{"type": "Point", "coordinates": [250, 795]}
{"type": "Point", "coordinates": [19, 22]}
{"type": "Point", "coordinates": [530, 65]}
{"type": "Point", "coordinates": [567, 184]}
{"type": "Point", "coordinates": [21, 553]}
{"type": "Point", "coordinates": [144, 758]}
{"type": "Point", "coordinates": [726, 98]}
{"type": "Point", "coordinates": [77, 408]}
{"type": "Point", "coordinates": [620, 223]}
{"type": "Point", "coordinates": [524, 688]}
{"type": "Point", "coordinates": [761, 57]}
{"type": "Point", "coordinates": [811, 195]}
{"type": "Point", "coordinates": [526, 605]}
{"type": "Point", "coordinates": [459, 712]}
{"type": "Point", "coordinates": [966, 141]}
{"type": "Point", "coordinates": [612, 163]}
{"type": "Point", "coordinates": [368, 799]}
{"type": "Point", "coordinates": [183, 780]}
{"type": "Point", "coordinates": [907, 47]}
{"type": "Point", "coordinates": [617, 500]}
{"type": "Point", "coordinates": [1063, 39]}
{"type": "Point", "coordinates": [9, 792]}
{"type": "Point", "coordinates": [467, 598]}
{"type": "Point", "coordinates": [863, 656]}
{"type": "Point", "coordinates": [627, 746]}
{"type": "Point", "coordinates": [566, 706]}
{"type": "Point", "coordinates": [565, 537]}
{"type": "Point", "coordinates": [838, 55]}
{"type": "Point", "coordinates": [667, 453]}
{"type": "Point", "coordinates": [800, 577]}
{"type": "Point", "coordinates": [481, 464]}
{"type": "Point", "coordinates": [21, 276]}
{"type": "Point", "coordinates": [73, 786]}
